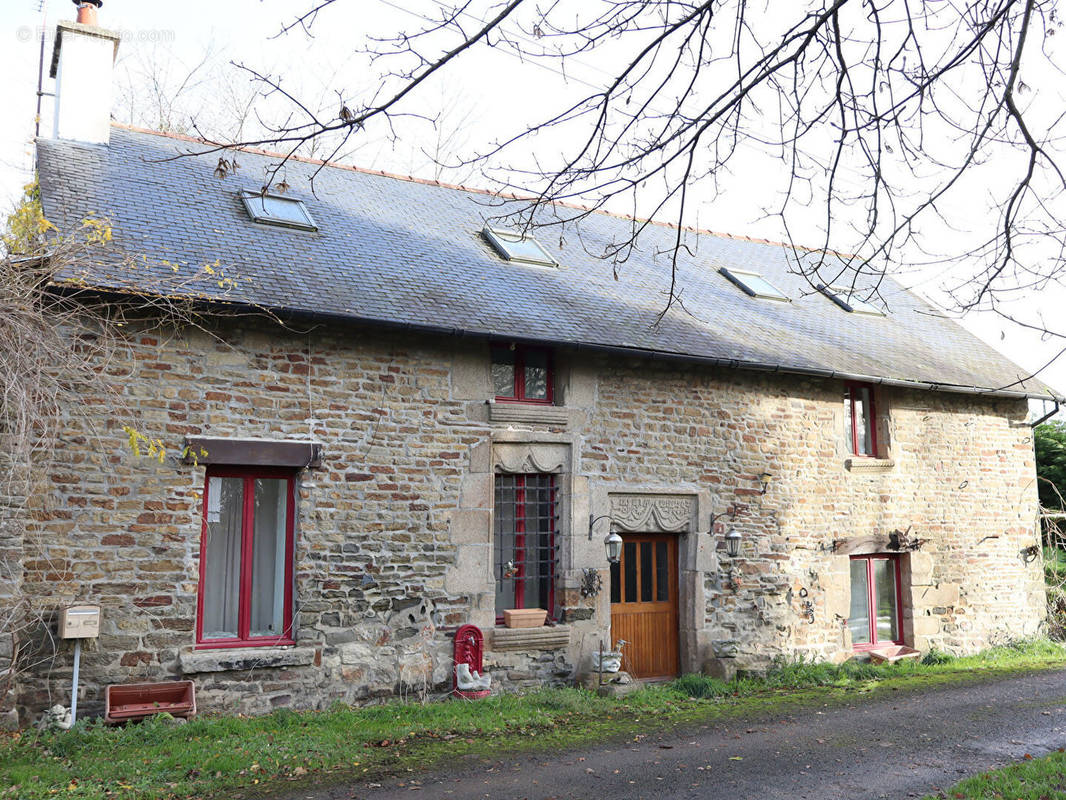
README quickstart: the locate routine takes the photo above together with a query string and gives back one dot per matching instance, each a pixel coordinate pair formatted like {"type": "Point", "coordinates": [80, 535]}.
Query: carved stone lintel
{"type": "Point", "coordinates": [523, 458]}
{"type": "Point", "coordinates": [653, 513]}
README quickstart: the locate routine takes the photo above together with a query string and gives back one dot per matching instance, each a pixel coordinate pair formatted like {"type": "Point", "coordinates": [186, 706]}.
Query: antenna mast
{"type": "Point", "coordinates": [43, 11]}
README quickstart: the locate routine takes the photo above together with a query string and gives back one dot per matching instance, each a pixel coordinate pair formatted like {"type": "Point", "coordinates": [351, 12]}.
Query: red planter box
{"type": "Point", "coordinates": [124, 702]}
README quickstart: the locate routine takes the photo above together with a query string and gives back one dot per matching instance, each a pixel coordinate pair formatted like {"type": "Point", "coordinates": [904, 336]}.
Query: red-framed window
{"type": "Point", "coordinates": [525, 532]}
{"type": "Point", "coordinates": [246, 558]}
{"type": "Point", "coordinates": [523, 374]}
{"type": "Point", "coordinates": [860, 419]}
{"type": "Point", "coordinates": [876, 616]}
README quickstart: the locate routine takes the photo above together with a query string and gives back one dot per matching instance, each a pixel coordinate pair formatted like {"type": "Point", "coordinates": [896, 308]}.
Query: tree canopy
{"type": "Point", "coordinates": [1050, 440]}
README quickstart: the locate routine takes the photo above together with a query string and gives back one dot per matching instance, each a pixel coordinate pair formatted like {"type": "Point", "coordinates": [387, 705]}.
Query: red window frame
{"type": "Point", "coordinates": [244, 637]}
{"type": "Point", "coordinates": [519, 373]}
{"type": "Point", "coordinates": [870, 408]}
{"type": "Point", "coordinates": [519, 543]}
{"type": "Point", "coordinates": [871, 600]}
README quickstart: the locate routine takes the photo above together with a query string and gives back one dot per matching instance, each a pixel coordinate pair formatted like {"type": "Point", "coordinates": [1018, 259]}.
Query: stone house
{"type": "Point", "coordinates": [404, 416]}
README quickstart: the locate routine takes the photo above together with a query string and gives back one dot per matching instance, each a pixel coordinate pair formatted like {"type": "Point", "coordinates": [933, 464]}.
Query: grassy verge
{"type": "Point", "coordinates": [1032, 779]}
{"type": "Point", "coordinates": [216, 756]}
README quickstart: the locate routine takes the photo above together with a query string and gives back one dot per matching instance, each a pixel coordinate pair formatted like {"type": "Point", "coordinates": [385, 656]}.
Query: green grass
{"type": "Point", "coordinates": [1031, 779]}
{"type": "Point", "coordinates": [219, 756]}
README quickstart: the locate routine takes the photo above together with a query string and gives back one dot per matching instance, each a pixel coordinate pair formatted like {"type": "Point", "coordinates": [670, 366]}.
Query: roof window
{"type": "Point", "coordinates": [273, 209]}
{"type": "Point", "coordinates": [516, 246]}
{"type": "Point", "coordinates": [847, 300]}
{"type": "Point", "coordinates": [753, 284]}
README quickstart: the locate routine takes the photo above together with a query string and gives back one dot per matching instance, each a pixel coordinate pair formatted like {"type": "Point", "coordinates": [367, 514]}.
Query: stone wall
{"type": "Point", "coordinates": [394, 533]}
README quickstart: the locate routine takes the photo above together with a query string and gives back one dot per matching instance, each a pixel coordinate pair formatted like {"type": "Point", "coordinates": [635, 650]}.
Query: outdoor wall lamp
{"type": "Point", "coordinates": [732, 543]}
{"type": "Point", "coordinates": [732, 547]}
{"type": "Point", "coordinates": [612, 544]}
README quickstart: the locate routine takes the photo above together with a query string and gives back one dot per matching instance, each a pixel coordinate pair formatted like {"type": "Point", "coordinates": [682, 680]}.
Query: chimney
{"type": "Point", "coordinates": [83, 62]}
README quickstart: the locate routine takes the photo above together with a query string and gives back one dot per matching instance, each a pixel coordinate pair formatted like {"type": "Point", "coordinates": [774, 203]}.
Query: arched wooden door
{"type": "Point", "coordinates": [644, 604]}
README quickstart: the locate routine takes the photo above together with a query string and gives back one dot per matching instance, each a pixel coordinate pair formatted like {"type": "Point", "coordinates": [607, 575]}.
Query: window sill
{"type": "Point", "coordinates": [865, 465]}
{"type": "Point", "coordinates": [528, 413]}
{"type": "Point", "coordinates": [236, 659]}
{"type": "Point", "coordinates": [554, 637]}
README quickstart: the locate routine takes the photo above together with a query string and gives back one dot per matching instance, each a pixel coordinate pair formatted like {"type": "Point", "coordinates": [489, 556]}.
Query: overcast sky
{"type": "Point", "coordinates": [492, 94]}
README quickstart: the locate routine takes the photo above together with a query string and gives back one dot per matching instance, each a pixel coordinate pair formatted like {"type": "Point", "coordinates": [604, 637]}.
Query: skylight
{"type": "Point", "coordinates": [516, 246]}
{"type": "Point", "coordinates": [273, 209]}
{"type": "Point", "coordinates": [850, 302]}
{"type": "Point", "coordinates": [753, 284]}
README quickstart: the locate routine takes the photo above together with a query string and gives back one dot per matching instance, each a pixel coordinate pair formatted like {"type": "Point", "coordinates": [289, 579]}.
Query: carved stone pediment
{"type": "Point", "coordinates": [518, 458]}
{"type": "Point", "coordinates": [653, 513]}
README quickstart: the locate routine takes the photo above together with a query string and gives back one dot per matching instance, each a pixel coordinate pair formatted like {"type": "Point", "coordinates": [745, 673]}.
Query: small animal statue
{"type": "Point", "coordinates": [56, 717]}
{"type": "Point", "coordinates": [470, 681]}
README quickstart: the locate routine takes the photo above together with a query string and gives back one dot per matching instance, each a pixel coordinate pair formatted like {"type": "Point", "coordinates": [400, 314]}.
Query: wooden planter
{"type": "Point", "coordinates": [524, 617]}
{"type": "Point", "coordinates": [131, 701]}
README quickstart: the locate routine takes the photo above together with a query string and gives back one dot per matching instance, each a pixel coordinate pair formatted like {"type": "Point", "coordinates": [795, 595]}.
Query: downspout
{"type": "Point", "coordinates": [1047, 416]}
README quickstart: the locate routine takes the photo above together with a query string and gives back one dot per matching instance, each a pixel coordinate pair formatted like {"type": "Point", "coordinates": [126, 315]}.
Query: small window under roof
{"type": "Point", "coordinates": [516, 246]}
{"type": "Point", "coordinates": [849, 301]}
{"type": "Point", "coordinates": [753, 284]}
{"type": "Point", "coordinates": [274, 209]}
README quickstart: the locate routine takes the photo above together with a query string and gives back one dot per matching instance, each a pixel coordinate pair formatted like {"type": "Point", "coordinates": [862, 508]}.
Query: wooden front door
{"type": "Point", "coordinates": [644, 604]}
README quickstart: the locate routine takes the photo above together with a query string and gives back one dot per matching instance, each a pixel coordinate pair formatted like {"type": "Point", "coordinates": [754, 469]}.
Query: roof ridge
{"type": "Point", "coordinates": [477, 190]}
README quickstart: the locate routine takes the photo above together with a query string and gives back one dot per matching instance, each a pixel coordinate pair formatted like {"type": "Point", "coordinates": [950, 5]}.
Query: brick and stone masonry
{"type": "Point", "coordinates": [394, 529]}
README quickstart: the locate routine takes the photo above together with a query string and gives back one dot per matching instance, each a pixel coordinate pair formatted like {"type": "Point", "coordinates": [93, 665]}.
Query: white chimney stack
{"type": "Point", "coordinates": [83, 63]}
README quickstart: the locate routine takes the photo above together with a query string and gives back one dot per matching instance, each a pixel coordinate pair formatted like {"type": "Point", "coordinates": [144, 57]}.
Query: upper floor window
{"type": "Point", "coordinates": [515, 246]}
{"type": "Point", "coordinates": [860, 420]}
{"type": "Point", "coordinates": [525, 522]}
{"type": "Point", "coordinates": [753, 284]}
{"type": "Point", "coordinates": [246, 558]}
{"type": "Point", "coordinates": [522, 374]}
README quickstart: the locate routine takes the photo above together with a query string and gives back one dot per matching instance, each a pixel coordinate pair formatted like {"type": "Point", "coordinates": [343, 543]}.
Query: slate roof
{"type": "Point", "coordinates": [405, 252]}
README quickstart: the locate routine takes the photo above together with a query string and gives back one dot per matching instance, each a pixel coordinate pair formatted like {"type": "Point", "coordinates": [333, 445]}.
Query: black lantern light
{"type": "Point", "coordinates": [732, 543]}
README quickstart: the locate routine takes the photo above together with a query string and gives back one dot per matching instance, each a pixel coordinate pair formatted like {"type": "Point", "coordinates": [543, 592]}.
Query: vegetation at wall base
{"type": "Point", "coordinates": [211, 755]}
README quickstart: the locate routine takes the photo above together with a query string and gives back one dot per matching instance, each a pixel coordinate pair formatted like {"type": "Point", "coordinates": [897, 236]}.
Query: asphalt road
{"type": "Point", "coordinates": [904, 745]}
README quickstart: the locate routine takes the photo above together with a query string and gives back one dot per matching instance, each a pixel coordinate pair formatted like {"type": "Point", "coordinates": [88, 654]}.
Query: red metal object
{"type": "Point", "coordinates": [468, 649]}
{"type": "Point", "coordinates": [244, 638]}
{"type": "Point", "coordinates": [132, 701]}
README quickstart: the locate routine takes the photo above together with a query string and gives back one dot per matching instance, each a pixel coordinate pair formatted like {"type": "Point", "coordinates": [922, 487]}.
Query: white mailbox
{"type": "Point", "coordinates": [79, 622]}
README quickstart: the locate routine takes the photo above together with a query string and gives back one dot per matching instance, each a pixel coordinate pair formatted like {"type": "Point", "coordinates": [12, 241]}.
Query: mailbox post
{"type": "Point", "coordinates": [77, 623]}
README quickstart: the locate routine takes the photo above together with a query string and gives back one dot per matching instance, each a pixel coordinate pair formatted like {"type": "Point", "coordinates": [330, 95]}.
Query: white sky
{"type": "Point", "coordinates": [494, 93]}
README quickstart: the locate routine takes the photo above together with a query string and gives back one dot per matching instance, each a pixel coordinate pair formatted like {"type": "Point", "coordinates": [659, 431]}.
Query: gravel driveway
{"type": "Point", "coordinates": [899, 746]}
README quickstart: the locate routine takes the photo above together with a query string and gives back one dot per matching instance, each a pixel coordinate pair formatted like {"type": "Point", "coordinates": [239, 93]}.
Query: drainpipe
{"type": "Point", "coordinates": [1047, 416]}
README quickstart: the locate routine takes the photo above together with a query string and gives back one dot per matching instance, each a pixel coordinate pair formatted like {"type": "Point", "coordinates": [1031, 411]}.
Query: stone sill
{"type": "Point", "coordinates": [864, 465]}
{"type": "Point", "coordinates": [529, 414]}
{"type": "Point", "coordinates": [236, 659]}
{"type": "Point", "coordinates": [546, 638]}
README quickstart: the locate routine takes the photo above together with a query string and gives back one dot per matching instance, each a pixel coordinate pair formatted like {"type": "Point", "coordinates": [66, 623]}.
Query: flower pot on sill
{"type": "Point", "coordinates": [524, 617]}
